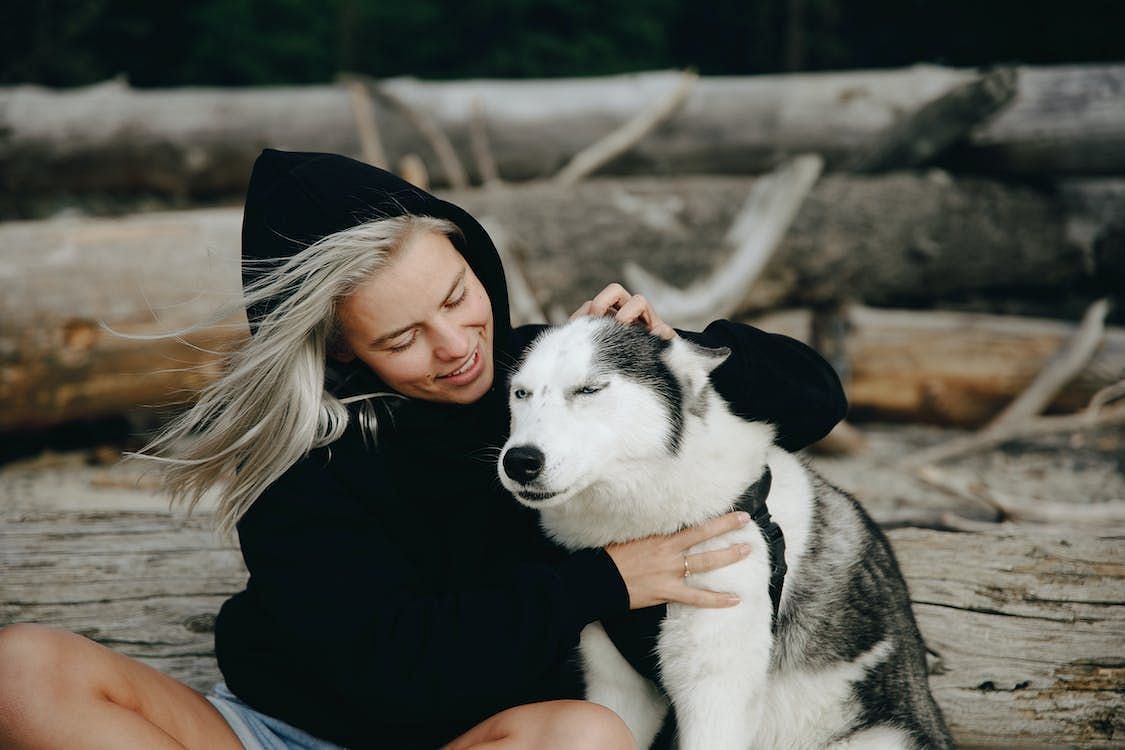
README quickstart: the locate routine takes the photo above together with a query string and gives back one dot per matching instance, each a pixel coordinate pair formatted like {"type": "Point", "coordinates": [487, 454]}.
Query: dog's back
{"type": "Point", "coordinates": [850, 602]}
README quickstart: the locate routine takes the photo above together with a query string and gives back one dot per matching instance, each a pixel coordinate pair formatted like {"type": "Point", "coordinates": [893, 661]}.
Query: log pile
{"type": "Point", "coordinates": [896, 239]}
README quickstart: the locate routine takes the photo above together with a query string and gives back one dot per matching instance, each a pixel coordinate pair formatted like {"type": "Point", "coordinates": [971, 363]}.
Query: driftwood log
{"type": "Point", "coordinates": [952, 368]}
{"type": "Point", "coordinates": [1026, 627]}
{"type": "Point", "coordinates": [901, 239]}
{"type": "Point", "coordinates": [1029, 631]}
{"type": "Point", "coordinates": [893, 240]}
{"type": "Point", "coordinates": [61, 285]}
{"type": "Point", "coordinates": [201, 142]}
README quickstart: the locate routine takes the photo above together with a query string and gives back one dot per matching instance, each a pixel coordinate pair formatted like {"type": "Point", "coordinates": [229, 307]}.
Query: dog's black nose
{"type": "Point", "coordinates": [523, 463]}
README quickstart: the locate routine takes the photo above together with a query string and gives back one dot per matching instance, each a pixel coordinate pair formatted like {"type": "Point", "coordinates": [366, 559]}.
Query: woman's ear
{"type": "Point", "coordinates": [339, 350]}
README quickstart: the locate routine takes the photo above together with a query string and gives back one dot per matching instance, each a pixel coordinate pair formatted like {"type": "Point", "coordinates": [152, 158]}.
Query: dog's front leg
{"type": "Point", "coordinates": [715, 662]}
{"type": "Point", "coordinates": [612, 682]}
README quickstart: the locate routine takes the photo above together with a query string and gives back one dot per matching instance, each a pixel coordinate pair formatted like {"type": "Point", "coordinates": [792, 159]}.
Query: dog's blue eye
{"type": "Point", "coordinates": [519, 393]}
{"type": "Point", "coordinates": [586, 390]}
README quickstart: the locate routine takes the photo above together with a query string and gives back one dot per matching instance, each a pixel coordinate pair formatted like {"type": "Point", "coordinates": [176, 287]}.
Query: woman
{"type": "Point", "coordinates": [397, 596]}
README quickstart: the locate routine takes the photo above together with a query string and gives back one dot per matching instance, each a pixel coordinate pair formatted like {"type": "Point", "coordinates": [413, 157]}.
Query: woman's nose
{"type": "Point", "coordinates": [451, 341]}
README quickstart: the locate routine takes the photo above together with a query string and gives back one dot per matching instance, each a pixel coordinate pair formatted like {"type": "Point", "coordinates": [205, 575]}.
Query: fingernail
{"type": "Point", "coordinates": [733, 600]}
{"type": "Point", "coordinates": [743, 517]}
{"type": "Point", "coordinates": [744, 549]}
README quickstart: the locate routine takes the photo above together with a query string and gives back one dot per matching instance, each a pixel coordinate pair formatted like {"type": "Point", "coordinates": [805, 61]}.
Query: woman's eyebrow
{"type": "Point", "coordinates": [399, 331]}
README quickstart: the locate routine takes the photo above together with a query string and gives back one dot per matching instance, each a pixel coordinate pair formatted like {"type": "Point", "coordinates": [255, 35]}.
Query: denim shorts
{"type": "Point", "coordinates": [257, 731]}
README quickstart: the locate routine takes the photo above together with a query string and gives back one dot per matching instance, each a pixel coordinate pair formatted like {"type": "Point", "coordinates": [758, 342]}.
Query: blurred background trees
{"type": "Point", "coordinates": [250, 42]}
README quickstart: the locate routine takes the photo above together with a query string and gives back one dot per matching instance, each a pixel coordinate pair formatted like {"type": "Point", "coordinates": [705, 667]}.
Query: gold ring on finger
{"type": "Point", "coordinates": [687, 570]}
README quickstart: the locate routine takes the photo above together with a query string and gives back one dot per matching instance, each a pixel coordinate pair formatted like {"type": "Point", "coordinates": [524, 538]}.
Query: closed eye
{"type": "Point", "coordinates": [589, 389]}
{"type": "Point", "coordinates": [405, 345]}
{"type": "Point", "coordinates": [453, 303]}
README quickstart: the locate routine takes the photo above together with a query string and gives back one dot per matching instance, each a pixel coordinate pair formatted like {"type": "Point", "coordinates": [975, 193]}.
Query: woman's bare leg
{"type": "Point", "coordinates": [552, 725]}
{"type": "Point", "coordinates": [60, 690]}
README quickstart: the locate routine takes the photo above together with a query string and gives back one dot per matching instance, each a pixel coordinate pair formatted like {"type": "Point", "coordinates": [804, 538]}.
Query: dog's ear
{"type": "Point", "coordinates": [691, 364]}
{"type": "Point", "coordinates": [688, 355]}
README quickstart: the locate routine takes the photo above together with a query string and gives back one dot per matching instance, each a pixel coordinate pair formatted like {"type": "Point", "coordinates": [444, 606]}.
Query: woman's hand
{"type": "Point", "coordinates": [626, 308]}
{"type": "Point", "coordinates": [653, 568]}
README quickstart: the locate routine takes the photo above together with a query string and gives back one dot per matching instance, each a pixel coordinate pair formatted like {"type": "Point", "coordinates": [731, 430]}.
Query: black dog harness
{"type": "Point", "coordinates": [753, 501]}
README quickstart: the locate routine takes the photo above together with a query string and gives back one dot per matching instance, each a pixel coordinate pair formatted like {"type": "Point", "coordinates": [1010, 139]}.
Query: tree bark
{"type": "Point", "coordinates": [63, 284]}
{"type": "Point", "coordinates": [200, 142]}
{"type": "Point", "coordinates": [902, 239]}
{"type": "Point", "coordinates": [1028, 629]}
{"type": "Point", "coordinates": [952, 368]}
{"type": "Point", "coordinates": [894, 239]}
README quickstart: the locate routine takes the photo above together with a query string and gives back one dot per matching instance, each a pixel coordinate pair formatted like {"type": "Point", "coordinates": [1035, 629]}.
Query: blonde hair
{"type": "Point", "coordinates": [270, 407]}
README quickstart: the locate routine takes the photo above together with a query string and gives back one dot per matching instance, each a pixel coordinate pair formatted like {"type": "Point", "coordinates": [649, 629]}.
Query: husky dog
{"type": "Point", "coordinates": [618, 435]}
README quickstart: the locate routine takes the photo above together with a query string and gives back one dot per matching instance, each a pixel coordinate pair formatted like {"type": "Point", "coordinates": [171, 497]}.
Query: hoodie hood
{"type": "Point", "coordinates": [296, 198]}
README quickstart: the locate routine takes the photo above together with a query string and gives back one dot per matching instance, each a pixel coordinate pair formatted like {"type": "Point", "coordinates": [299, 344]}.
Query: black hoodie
{"type": "Point", "coordinates": [397, 594]}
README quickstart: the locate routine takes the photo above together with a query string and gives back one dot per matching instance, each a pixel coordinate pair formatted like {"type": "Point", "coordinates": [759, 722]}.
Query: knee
{"type": "Point", "coordinates": [27, 650]}
{"type": "Point", "coordinates": [26, 645]}
{"type": "Point", "coordinates": [585, 724]}
{"type": "Point", "coordinates": [33, 660]}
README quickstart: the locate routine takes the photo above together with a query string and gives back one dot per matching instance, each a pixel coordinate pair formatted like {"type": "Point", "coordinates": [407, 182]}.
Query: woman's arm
{"type": "Point", "coordinates": [348, 607]}
{"type": "Point", "coordinates": [773, 378]}
{"type": "Point", "coordinates": [333, 597]}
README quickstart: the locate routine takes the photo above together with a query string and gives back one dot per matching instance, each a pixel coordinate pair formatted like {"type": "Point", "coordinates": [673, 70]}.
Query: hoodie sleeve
{"type": "Point", "coordinates": [773, 378]}
{"type": "Point", "coordinates": [343, 605]}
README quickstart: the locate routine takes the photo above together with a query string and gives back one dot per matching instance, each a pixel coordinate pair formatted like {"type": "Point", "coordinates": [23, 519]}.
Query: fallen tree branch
{"type": "Point", "coordinates": [1031, 428]}
{"type": "Point", "coordinates": [590, 159]}
{"type": "Point", "coordinates": [924, 134]}
{"type": "Point", "coordinates": [525, 309]}
{"type": "Point", "coordinates": [756, 233]}
{"type": "Point", "coordinates": [481, 147]}
{"type": "Point", "coordinates": [1104, 396]}
{"type": "Point", "coordinates": [366, 124]}
{"type": "Point", "coordinates": [1032, 511]}
{"type": "Point", "coordinates": [412, 168]}
{"type": "Point", "coordinates": [1070, 360]}
{"type": "Point", "coordinates": [1018, 419]}
{"type": "Point", "coordinates": [428, 128]}
{"type": "Point", "coordinates": [937, 520]}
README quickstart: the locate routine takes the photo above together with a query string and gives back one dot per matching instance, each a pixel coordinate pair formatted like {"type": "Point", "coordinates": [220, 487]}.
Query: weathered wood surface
{"type": "Point", "coordinates": [1027, 624]}
{"type": "Point", "coordinates": [90, 549]}
{"type": "Point", "coordinates": [61, 281]}
{"type": "Point", "coordinates": [1029, 627]}
{"type": "Point", "coordinates": [898, 240]}
{"type": "Point", "coordinates": [197, 141]}
{"type": "Point", "coordinates": [953, 368]}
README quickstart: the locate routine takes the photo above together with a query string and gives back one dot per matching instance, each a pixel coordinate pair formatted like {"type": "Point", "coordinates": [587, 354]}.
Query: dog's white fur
{"type": "Point", "coordinates": [607, 458]}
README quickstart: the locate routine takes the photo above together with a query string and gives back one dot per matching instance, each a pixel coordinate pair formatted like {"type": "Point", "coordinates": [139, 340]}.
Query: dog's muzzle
{"type": "Point", "coordinates": [523, 463]}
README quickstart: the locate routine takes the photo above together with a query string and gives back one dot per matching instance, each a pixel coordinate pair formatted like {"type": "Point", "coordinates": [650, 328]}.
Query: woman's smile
{"type": "Point", "coordinates": [423, 324]}
{"type": "Point", "coordinates": [467, 372]}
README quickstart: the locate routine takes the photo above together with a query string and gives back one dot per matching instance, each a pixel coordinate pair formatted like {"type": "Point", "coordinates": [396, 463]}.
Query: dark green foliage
{"type": "Point", "coordinates": [253, 42]}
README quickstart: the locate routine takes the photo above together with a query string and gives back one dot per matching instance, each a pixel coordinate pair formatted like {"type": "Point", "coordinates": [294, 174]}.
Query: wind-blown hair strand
{"type": "Point", "coordinates": [270, 407]}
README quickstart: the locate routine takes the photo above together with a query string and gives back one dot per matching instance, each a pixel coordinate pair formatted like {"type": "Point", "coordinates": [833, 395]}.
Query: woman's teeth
{"type": "Point", "coordinates": [465, 367]}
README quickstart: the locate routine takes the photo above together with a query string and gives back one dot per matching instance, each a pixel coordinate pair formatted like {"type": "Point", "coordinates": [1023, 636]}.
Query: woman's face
{"type": "Point", "coordinates": [423, 323]}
